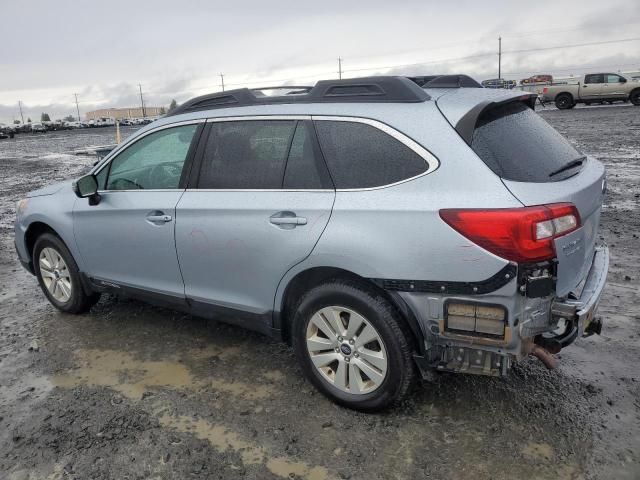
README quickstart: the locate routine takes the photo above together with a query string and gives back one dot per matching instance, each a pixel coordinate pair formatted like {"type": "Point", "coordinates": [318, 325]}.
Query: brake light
{"type": "Point", "coordinates": [518, 234]}
{"type": "Point", "coordinates": [545, 90]}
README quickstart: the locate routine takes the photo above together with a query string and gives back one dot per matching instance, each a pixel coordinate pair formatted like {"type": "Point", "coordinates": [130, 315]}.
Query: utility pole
{"type": "Point", "coordinates": [77, 107]}
{"type": "Point", "coordinates": [499, 57]}
{"type": "Point", "coordinates": [340, 68]}
{"type": "Point", "coordinates": [21, 115]}
{"type": "Point", "coordinates": [144, 113]}
{"type": "Point", "coordinates": [222, 80]}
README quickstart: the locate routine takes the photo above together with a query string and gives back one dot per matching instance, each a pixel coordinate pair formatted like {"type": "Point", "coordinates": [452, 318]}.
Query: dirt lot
{"type": "Point", "coordinates": [133, 391]}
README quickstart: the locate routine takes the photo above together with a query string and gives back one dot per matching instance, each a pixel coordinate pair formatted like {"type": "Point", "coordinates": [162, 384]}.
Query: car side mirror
{"type": "Point", "coordinates": [87, 187]}
{"type": "Point", "coordinates": [623, 80]}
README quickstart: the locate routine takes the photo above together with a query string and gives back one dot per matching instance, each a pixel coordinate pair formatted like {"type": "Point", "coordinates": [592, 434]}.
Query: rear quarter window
{"type": "Point", "coordinates": [362, 156]}
{"type": "Point", "coordinates": [517, 144]}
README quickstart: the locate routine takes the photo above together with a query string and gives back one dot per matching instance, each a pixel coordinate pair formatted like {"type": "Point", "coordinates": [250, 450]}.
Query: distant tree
{"type": "Point", "coordinates": [45, 117]}
{"type": "Point", "coordinates": [163, 111]}
{"type": "Point", "coordinates": [69, 118]}
{"type": "Point", "coordinates": [16, 122]}
{"type": "Point", "coordinates": [172, 105]}
{"type": "Point", "coordinates": [28, 120]}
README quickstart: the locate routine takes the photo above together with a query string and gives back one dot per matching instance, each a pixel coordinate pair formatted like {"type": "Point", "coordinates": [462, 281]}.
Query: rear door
{"type": "Point", "coordinates": [539, 166]}
{"type": "Point", "coordinates": [256, 207]}
{"type": "Point", "coordinates": [591, 89]}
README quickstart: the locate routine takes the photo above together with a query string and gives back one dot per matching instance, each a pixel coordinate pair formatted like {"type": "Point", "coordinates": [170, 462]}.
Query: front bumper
{"type": "Point", "coordinates": [27, 264]}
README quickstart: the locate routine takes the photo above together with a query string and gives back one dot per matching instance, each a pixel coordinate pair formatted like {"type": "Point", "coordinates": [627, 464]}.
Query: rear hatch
{"type": "Point", "coordinates": [538, 165]}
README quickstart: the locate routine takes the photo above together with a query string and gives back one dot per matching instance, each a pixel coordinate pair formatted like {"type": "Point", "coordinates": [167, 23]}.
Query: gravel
{"type": "Point", "coordinates": [134, 391]}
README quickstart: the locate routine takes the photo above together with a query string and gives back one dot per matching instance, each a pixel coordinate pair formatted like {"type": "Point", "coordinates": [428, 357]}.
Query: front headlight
{"type": "Point", "coordinates": [21, 206]}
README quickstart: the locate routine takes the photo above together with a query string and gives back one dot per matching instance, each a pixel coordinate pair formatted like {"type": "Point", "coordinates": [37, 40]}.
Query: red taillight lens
{"type": "Point", "coordinates": [545, 90]}
{"type": "Point", "coordinates": [518, 234]}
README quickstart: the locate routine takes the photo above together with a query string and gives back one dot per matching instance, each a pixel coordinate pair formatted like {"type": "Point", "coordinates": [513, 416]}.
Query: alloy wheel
{"type": "Point", "coordinates": [55, 274]}
{"type": "Point", "coordinates": [346, 350]}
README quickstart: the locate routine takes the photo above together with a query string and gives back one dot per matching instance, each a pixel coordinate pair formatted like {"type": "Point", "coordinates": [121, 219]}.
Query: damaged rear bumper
{"type": "Point", "coordinates": [559, 323]}
{"type": "Point", "coordinates": [580, 311]}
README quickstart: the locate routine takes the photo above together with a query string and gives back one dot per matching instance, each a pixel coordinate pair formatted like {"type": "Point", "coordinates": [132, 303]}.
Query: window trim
{"type": "Point", "coordinates": [430, 159]}
{"type": "Point", "coordinates": [116, 153]}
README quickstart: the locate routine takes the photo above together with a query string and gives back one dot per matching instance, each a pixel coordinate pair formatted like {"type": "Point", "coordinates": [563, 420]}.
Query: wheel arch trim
{"type": "Point", "coordinates": [303, 279]}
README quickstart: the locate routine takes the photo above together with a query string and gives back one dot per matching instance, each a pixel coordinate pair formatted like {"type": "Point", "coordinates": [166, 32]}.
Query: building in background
{"type": "Point", "coordinates": [120, 113]}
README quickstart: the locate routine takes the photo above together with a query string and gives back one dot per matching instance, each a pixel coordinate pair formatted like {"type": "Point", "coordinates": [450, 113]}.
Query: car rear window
{"type": "Point", "coordinates": [517, 144]}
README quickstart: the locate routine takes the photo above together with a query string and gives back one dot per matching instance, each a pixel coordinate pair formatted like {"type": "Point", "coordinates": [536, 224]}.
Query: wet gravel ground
{"type": "Point", "coordinates": [131, 391]}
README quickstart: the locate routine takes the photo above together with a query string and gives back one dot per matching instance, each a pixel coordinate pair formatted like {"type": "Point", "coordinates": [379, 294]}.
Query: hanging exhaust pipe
{"type": "Point", "coordinates": [544, 356]}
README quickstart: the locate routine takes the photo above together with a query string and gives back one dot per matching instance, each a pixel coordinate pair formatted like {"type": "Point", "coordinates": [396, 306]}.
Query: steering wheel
{"type": "Point", "coordinates": [164, 175]}
{"type": "Point", "coordinates": [124, 184]}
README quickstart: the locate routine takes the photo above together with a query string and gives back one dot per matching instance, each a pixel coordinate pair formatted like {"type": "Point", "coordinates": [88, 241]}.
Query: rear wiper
{"type": "Point", "coordinates": [573, 163]}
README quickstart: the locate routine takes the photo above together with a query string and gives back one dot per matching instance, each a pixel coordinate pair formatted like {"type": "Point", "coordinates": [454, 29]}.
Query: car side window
{"type": "Point", "coordinates": [153, 162]}
{"type": "Point", "coordinates": [594, 78]}
{"type": "Point", "coordinates": [362, 156]}
{"type": "Point", "coordinates": [305, 168]}
{"type": "Point", "coordinates": [612, 78]}
{"type": "Point", "coordinates": [247, 154]}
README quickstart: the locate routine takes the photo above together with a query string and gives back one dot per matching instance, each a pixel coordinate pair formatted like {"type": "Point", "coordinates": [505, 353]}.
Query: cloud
{"type": "Point", "coordinates": [178, 49]}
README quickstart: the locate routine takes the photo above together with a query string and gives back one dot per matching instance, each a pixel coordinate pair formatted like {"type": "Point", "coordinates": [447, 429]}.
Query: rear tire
{"type": "Point", "coordinates": [564, 101]}
{"type": "Point", "coordinates": [365, 361]}
{"type": "Point", "coordinates": [635, 97]}
{"type": "Point", "coordinates": [59, 277]}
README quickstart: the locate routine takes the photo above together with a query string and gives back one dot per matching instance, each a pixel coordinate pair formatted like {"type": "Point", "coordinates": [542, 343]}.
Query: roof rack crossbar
{"type": "Point", "coordinates": [383, 89]}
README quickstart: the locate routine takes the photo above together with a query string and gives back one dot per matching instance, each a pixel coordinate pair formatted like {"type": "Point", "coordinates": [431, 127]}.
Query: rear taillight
{"type": "Point", "coordinates": [518, 234]}
{"type": "Point", "coordinates": [545, 90]}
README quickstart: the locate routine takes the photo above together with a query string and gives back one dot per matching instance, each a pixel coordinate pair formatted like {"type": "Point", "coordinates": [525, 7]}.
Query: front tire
{"type": "Point", "coordinates": [635, 97]}
{"type": "Point", "coordinates": [59, 277]}
{"type": "Point", "coordinates": [353, 346]}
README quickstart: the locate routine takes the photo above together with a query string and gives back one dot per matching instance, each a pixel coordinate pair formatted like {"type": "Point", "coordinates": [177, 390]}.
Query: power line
{"type": "Point", "coordinates": [586, 44]}
{"type": "Point", "coordinates": [487, 54]}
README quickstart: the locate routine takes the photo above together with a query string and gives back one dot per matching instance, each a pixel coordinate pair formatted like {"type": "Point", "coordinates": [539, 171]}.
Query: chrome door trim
{"type": "Point", "coordinates": [430, 159]}
{"type": "Point", "coordinates": [239, 118]}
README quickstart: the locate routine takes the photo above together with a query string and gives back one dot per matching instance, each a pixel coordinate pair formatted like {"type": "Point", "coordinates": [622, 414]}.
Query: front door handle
{"type": "Point", "coordinates": [287, 220]}
{"type": "Point", "coordinates": [159, 217]}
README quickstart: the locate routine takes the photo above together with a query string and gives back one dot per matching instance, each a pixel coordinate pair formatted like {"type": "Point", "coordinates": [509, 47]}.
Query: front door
{"type": "Point", "coordinates": [614, 87]}
{"type": "Point", "coordinates": [259, 205]}
{"type": "Point", "coordinates": [127, 239]}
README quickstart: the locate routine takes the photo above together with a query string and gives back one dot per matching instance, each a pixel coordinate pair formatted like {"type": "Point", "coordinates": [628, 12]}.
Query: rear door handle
{"type": "Point", "coordinates": [159, 218]}
{"type": "Point", "coordinates": [287, 220]}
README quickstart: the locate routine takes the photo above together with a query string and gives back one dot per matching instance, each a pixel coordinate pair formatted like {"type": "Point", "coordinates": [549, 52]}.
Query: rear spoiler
{"type": "Point", "coordinates": [467, 124]}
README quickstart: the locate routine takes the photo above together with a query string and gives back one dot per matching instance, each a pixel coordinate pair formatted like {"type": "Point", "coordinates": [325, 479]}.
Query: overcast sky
{"type": "Point", "coordinates": [102, 49]}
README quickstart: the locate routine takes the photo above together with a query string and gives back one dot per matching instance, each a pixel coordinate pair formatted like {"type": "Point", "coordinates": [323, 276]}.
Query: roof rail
{"type": "Point", "coordinates": [446, 81]}
{"type": "Point", "coordinates": [383, 89]}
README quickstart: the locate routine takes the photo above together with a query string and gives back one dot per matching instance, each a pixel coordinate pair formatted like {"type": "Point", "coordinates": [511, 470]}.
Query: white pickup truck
{"type": "Point", "coordinates": [592, 88]}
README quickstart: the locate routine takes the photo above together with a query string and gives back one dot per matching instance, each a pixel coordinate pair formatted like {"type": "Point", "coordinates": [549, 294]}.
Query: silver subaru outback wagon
{"type": "Point", "coordinates": [383, 226]}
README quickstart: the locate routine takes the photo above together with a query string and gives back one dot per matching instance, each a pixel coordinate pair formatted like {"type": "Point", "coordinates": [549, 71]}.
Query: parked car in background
{"type": "Point", "coordinates": [593, 88]}
{"type": "Point", "coordinates": [499, 83]}
{"type": "Point", "coordinates": [537, 79]}
{"type": "Point", "coordinates": [125, 122]}
{"type": "Point", "coordinates": [443, 226]}
{"type": "Point", "coordinates": [38, 128]}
